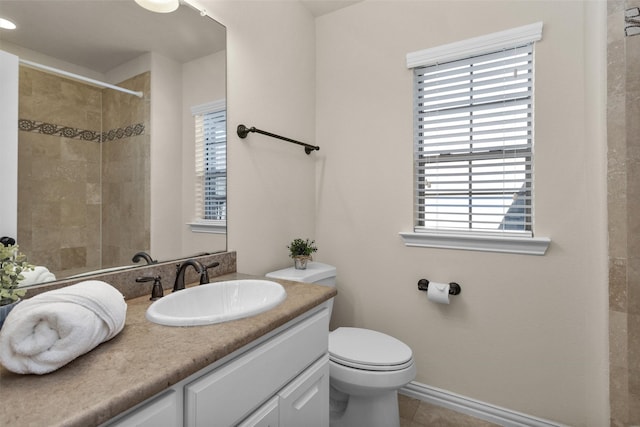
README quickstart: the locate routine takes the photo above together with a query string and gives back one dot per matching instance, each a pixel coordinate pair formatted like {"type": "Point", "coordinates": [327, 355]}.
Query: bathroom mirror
{"type": "Point", "coordinates": [86, 181]}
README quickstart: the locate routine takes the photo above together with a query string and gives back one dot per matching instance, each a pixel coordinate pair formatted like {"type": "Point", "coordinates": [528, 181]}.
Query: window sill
{"type": "Point", "coordinates": [213, 227]}
{"type": "Point", "coordinates": [476, 242]}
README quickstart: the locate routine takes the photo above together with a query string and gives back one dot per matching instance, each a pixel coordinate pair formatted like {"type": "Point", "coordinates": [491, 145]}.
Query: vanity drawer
{"type": "Point", "coordinates": [231, 392]}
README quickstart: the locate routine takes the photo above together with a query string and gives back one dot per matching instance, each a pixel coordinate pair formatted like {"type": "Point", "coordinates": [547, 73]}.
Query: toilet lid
{"type": "Point", "coordinates": [369, 350]}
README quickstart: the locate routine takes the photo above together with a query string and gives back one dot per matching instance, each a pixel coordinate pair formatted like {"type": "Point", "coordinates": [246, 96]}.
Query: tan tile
{"type": "Point", "coordinates": [634, 410]}
{"type": "Point", "coordinates": [617, 208]}
{"type": "Point", "coordinates": [618, 284]}
{"type": "Point", "coordinates": [46, 257]}
{"type": "Point", "coordinates": [632, 64]}
{"type": "Point", "coordinates": [73, 213]}
{"type": "Point", "coordinates": [408, 406]}
{"type": "Point", "coordinates": [45, 146]}
{"type": "Point", "coordinates": [437, 416]}
{"type": "Point", "coordinates": [408, 423]}
{"type": "Point", "coordinates": [633, 343]}
{"type": "Point", "coordinates": [633, 286]}
{"type": "Point", "coordinates": [80, 150]}
{"type": "Point", "coordinates": [45, 214]}
{"type": "Point", "coordinates": [619, 395]}
{"type": "Point", "coordinates": [616, 59]}
{"type": "Point", "coordinates": [618, 339]}
{"type": "Point", "coordinates": [72, 236]}
{"type": "Point", "coordinates": [614, 6]}
{"type": "Point", "coordinates": [73, 257]}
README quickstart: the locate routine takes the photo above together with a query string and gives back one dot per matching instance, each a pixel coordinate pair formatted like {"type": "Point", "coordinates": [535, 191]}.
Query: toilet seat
{"type": "Point", "coordinates": [368, 350]}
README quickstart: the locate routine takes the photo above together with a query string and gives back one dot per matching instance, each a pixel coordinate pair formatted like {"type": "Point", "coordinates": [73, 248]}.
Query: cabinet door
{"type": "Point", "coordinates": [231, 392]}
{"type": "Point", "coordinates": [160, 412]}
{"type": "Point", "coordinates": [305, 400]}
{"type": "Point", "coordinates": [266, 416]}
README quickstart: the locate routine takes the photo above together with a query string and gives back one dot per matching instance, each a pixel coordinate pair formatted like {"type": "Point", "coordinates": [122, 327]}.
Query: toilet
{"type": "Point", "coordinates": [366, 367]}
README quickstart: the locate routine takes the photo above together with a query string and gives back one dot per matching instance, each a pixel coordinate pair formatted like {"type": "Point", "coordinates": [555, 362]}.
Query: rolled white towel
{"type": "Point", "coordinates": [39, 274]}
{"type": "Point", "coordinates": [49, 330]}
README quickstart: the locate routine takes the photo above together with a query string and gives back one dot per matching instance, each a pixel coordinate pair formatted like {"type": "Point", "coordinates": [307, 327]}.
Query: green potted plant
{"type": "Point", "coordinates": [301, 250]}
{"type": "Point", "coordinates": [12, 264]}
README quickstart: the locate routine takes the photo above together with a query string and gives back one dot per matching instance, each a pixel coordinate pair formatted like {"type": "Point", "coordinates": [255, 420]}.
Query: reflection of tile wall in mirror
{"type": "Point", "coordinates": [72, 186]}
{"type": "Point", "coordinates": [54, 227]}
{"type": "Point", "coordinates": [125, 173]}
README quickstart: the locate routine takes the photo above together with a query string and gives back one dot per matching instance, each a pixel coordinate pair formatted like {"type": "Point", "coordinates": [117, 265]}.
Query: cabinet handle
{"type": "Point", "coordinates": [306, 397]}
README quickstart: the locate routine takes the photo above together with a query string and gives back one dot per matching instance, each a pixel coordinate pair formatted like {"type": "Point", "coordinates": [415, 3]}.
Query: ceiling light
{"type": "Point", "coordinates": [6, 24]}
{"type": "Point", "coordinates": [161, 6]}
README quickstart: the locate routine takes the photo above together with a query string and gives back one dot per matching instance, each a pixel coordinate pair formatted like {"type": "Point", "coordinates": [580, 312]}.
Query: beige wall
{"type": "Point", "coordinates": [270, 85]}
{"type": "Point", "coordinates": [527, 333]}
{"type": "Point", "coordinates": [203, 81]}
{"type": "Point", "coordinates": [166, 155]}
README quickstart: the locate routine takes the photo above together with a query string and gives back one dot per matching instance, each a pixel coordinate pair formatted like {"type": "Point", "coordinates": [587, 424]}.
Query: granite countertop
{"type": "Point", "coordinates": [141, 361]}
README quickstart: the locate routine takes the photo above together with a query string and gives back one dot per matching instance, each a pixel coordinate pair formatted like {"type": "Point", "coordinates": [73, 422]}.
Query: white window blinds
{"type": "Point", "coordinates": [211, 163]}
{"type": "Point", "coordinates": [473, 123]}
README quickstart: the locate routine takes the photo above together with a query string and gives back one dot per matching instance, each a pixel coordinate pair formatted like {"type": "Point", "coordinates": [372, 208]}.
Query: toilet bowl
{"type": "Point", "coordinates": [366, 367]}
{"type": "Point", "coordinates": [366, 370]}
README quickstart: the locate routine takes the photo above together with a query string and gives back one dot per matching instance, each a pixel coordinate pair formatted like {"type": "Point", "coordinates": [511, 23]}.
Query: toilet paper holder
{"type": "Point", "coordinates": [454, 288]}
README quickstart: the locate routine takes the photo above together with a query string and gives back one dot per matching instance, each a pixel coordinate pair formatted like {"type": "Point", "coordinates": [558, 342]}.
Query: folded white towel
{"type": "Point", "coordinates": [39, 274]}
{"type": "Point", "coordinates": [44, 333]}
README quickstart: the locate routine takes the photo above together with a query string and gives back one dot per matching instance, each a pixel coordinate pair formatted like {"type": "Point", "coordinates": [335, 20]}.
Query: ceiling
{"type": "Point", "coordinates": [322, 7]}
{"type": "Point", "coordinates": [102, 34]}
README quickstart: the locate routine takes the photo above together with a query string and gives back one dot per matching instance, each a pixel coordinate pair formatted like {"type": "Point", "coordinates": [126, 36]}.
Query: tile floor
{"type": "Point", "coordinates": [415, 413]}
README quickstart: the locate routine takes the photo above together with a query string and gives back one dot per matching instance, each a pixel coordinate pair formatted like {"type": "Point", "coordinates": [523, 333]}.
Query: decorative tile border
{"type": "Point", "coordinates": [126, 132]}
{"type": "Point", "coordinates": [57, 130]}
{"type": "Point", "coordinates": [75, 133]}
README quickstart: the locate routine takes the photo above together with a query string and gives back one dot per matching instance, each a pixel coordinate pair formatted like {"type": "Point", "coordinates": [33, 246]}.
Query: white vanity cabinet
{"type": "Point", "coordinates": [159, 411]}
{"type": "Point", "coordinates": [268, 415]}
{"type": "Point", "coordinates": [281, 381]}
{"type": "Point", "coordinates": [303, 402]}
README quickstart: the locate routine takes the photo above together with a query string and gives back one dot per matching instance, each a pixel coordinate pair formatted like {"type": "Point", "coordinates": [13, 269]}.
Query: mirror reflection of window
{"type": "Point", "coordinates": [210, 163]}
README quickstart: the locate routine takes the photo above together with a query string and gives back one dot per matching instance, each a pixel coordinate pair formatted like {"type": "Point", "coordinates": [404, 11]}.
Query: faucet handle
{"type": "Point", "coordinates": [204, 276]}
{"type": "Point", "coordinates": [156, 291]}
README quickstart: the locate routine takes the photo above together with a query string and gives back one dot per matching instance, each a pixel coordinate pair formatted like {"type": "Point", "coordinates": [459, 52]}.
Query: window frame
{"type": "Point", "coordinates": [502, 241]}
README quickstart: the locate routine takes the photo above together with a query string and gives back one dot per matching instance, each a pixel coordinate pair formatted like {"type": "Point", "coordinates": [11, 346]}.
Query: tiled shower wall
{"type": "Point", "coordinates": [126, 173]}
{"type": "Point", "coordinates": [623, 134]}
{"type": "Point", "coordinates": [58, 171]}
{"type": "Point", "coordinates": [62, 150]}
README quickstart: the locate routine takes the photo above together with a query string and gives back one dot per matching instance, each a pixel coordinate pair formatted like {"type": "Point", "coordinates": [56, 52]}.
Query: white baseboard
{"type": "Point", "coordinates": [475, 408]}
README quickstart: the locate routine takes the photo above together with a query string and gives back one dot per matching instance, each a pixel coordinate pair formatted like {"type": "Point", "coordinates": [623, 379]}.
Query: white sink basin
{"type": "Point", "coordinates": [216, 302]}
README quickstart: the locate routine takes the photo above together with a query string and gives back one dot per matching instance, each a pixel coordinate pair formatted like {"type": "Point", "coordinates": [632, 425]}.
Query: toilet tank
{"type": "Point", "coordinates": [316, 273]}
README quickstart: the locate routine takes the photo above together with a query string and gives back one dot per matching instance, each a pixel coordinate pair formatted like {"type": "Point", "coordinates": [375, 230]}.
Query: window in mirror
{"type": "Point", "coordinates": [210, 167]}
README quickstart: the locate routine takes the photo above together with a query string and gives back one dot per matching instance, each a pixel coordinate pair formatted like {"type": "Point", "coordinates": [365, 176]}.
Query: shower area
{"type": "Point", "coordinates": [83, 172]}
{"type": "Point", "coordinates": [623, 135]}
